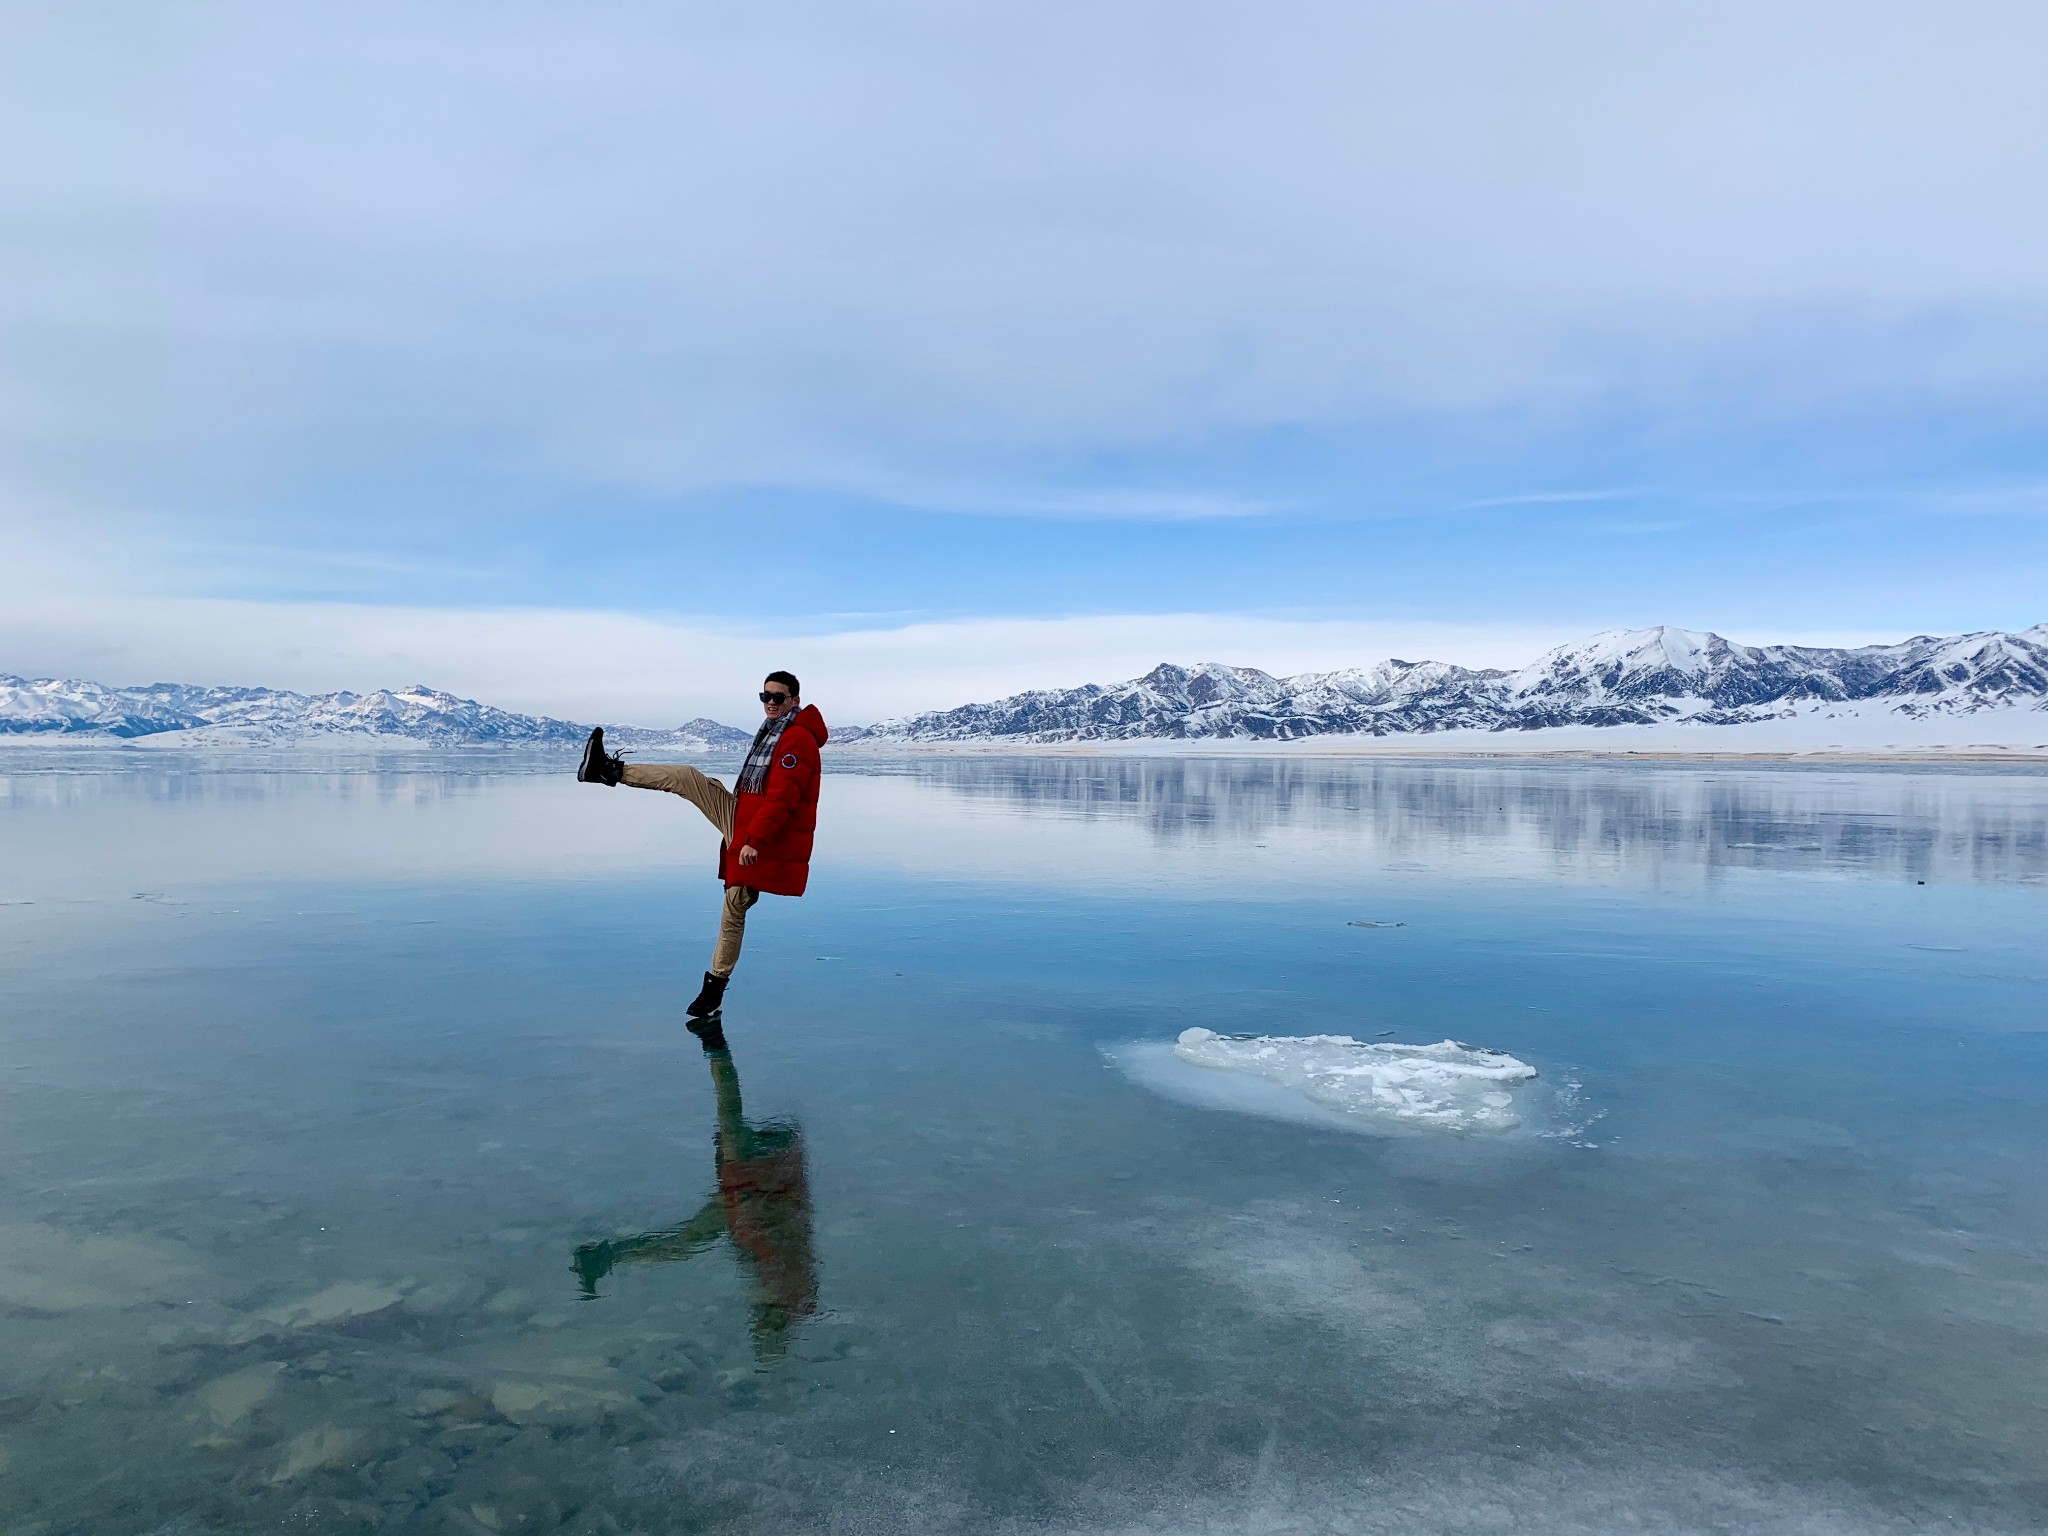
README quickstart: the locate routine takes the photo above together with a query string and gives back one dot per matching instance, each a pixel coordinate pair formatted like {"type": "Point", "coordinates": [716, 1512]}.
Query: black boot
{"type": "Point", "coordinates": [599, 766]}
{"type": "Point", "coordinates": [709, 999]}
{"type": "Point", "coordinates": [710, 1032]}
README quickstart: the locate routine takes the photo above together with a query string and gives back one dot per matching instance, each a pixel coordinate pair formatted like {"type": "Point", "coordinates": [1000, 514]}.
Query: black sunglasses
{"type": "Point", "coordinates": [774, 698]}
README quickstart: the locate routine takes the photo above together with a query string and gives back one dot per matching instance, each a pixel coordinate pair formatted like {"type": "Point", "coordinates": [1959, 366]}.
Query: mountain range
{"type": "Point", "coordinates": [49, 707]}
{"type": "Point", "coordinates": [1621, 677]}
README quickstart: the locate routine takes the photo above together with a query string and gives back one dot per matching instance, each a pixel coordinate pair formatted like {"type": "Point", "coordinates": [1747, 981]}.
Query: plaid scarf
{"type": "Point", "coordinates": [754, 775]}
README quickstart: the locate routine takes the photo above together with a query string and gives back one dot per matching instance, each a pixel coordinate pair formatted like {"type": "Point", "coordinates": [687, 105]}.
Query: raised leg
{"type": "Point", "coordinates": [705, 793]}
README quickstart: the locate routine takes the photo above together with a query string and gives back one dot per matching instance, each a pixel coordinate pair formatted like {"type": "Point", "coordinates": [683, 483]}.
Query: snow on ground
{"type": "Point", "coordinates": [1829, 730]}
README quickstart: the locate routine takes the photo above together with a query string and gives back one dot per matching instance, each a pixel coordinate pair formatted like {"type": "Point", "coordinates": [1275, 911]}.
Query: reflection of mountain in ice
{"type": "Point", "coordinates": [1579, 821]}
{"type": "Point", "coordinates": [1446, 1086]}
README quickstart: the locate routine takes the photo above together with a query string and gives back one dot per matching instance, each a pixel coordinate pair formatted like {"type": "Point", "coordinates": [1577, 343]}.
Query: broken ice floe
{"type": "Point", "coordinates": [1442, 1087]}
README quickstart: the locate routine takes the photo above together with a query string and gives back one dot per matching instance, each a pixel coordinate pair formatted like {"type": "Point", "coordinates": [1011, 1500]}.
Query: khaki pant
{"type": "Point", "coordinates": [716, 802]}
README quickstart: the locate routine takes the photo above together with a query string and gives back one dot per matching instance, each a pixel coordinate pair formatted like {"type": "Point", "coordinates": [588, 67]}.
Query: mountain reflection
{"type": "Point", "coordinates": [763, 1204]}
{"type": "Point", "coordinates": [1640, 819]}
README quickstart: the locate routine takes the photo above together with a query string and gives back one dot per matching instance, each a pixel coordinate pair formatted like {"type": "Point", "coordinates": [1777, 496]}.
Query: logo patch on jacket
{"type": "Point", "coordinates": [789, 759]}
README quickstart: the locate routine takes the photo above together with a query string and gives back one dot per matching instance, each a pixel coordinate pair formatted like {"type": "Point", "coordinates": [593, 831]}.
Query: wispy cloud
{"type": "Point", "coordinates": [1552, 498]}
{"type": "Point", "coordinates": [998, 499]}
{"type": "Point", "coordinates": [680, 251]}
{"type": "Point", "coordinates": [1012, 311]}
{"type": "Point", "coordinates": [1673, 507]}
{"type": "Point", "coordinates": [1959, 499]}
{"type": "Point", "coordinates": [1163, 505]}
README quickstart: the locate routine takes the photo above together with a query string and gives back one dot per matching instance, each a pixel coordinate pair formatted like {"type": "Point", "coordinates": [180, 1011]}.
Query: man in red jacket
{"type": "Point", "coordinates": [765, 821]}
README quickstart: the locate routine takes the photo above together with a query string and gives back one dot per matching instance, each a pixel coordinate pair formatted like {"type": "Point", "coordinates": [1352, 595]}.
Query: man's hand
{"type": "Point", "coordinates": [749, 853]}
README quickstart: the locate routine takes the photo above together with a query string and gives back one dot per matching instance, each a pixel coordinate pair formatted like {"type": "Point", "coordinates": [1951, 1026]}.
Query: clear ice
{"type": "Point", "coordinates": [377, 1186]}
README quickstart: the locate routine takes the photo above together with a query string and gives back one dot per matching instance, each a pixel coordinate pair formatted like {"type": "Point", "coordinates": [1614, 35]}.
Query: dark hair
{"type": "Point", "coordinates": [788, 680]}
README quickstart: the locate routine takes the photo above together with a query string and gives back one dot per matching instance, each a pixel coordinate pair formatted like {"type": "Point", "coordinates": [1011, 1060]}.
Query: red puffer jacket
{"type": "Point", "coordinates": [781, 819]}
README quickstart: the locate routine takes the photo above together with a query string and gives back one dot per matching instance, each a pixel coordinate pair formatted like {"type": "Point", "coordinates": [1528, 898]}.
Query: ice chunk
{"type": "Point", "coordinates": [1446, 1086]}
{"type": "Point", "coordinates": [316, 1450]}
{"type": "Point", "coordinates": [337, 1304]}
{"type": "Point", "coordinates": [229, 1400]}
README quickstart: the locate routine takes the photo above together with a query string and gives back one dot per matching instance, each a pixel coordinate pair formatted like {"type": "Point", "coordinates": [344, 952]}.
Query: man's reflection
{"type": "Point", "coordinates": [763, 1203]}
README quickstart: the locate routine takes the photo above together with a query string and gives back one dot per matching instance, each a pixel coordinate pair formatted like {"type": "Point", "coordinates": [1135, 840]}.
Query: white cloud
{"type": "Point", "coordinates": [854, 244]}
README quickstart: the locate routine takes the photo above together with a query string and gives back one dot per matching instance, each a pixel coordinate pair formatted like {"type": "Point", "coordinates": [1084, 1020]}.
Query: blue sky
{"type": "Point", "coordinates": [595, 362]}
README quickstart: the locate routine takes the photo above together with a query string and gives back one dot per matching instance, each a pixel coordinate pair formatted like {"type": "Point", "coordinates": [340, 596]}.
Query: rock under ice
{"type": "Point", "coordinates": [1446, 1086]}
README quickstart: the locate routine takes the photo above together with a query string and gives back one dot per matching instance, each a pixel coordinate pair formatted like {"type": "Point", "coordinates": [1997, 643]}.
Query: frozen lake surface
{"type": "Point", "coordinates": [360, 1175]}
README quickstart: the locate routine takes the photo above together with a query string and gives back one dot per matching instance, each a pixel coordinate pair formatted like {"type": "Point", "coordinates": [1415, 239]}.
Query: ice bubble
{"type": "Point", "coordinates": [1446, 1086]}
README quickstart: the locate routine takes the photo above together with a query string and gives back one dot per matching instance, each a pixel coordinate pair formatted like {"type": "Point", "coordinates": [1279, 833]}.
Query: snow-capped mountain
{"type": "Point", "coordinates": [1656, 676]}
{"type": "Point", "coordinates": [49, 707]}
{"type": "Point", "coordinates": [1621, 677]}
{"type": "Point", "coordinates": [699, 735]}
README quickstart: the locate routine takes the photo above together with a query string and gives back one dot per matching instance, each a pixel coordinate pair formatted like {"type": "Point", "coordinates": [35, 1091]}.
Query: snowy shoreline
{"type": "Point", "coordinates": [2022, 755]}
{"type": "Point", "coordinates": [2018, 755]}
{"type": "Point", "coordinates": [1841, 733]}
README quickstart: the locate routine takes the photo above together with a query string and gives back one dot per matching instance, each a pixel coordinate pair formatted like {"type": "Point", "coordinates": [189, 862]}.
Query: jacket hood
{"type": "Point", "coordinates": [809, 719]}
